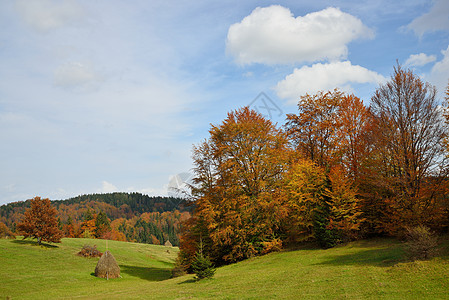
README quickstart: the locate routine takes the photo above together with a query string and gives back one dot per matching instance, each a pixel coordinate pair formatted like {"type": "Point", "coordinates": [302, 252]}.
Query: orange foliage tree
{"type": "Point", "coordinates": [354, 131]}
{"type": "Point", "coordinates": [330, 130]}
{"type": "Point", "coordinates": [314, 130]}
{"type": "Point", "coordinates": [88, 226]}
{"type": "Point", "coordinates": [69, 229]}
{"type": "Point", "coordinates": [302, 193]}
{"type": "Point", "coordinates": [39, 222]}
{"type": "Point", "coordinates": [5, 232]}
{"type": "Point", "coordinates": [345, 211]}
{"type": "Point", "coordinates": [238, 170]}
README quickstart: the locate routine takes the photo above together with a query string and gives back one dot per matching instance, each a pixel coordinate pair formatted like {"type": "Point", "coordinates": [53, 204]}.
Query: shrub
{"type": "Point", "coordinates": [90, 251]}
{"type": "Point", "coordinates": [421, 243]}
{"type": "Point", "coordinates": [5, 232]}
{"type": "Point", "coordinates": [202, 267]}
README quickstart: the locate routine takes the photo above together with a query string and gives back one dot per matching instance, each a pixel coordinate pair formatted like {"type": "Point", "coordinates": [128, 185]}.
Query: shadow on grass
{"type": "Point", "coordinates": [187, 281]}
{"type": "Point", "coordinates": [443, 247]}
{"type": "Point", "coordinates": [34, 243]}
{"type": "Point", "coordinates": [383, 257]}
{"type": "Point", "coordinates": [150, 274]}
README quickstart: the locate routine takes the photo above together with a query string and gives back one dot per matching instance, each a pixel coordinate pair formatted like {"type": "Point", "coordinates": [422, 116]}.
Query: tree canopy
{"type": "Point", "coordinates": [337, 171]}
{"type": "Point", "coordinates": [40, 222]}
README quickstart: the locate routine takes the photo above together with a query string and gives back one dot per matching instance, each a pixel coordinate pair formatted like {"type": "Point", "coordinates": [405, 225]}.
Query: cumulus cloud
{"type": "Point", "coordinates": [77, 76]}
{"type": "Point", "coordinates": [322, 77]}
{"type": "Point", "coordinates": [436, 19]}
{"type": "Point", "coordinates": [272, 35]}
{"type": "Point", "coordinates": [108, 187]}
{"type": "Point", "coordinates": [439, 75]}
{"type": "Point", "coordinates": [44, 15]}
{"type": "Point", "coordinates": [418, 60]}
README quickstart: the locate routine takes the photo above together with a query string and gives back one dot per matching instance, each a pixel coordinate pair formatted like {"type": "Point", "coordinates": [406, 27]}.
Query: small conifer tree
{"type": "Point", "coordinates": [202, 266]}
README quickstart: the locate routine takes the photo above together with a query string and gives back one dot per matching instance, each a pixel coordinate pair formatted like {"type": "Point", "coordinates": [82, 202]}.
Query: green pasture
{"type": "Point", "coordinates": [374, 269]}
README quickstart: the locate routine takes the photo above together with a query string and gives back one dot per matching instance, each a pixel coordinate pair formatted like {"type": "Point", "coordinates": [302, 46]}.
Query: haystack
{"type": "Point", "coordinates": [168, 244]}
{"type": "Point", "coordinates": [107, 266]}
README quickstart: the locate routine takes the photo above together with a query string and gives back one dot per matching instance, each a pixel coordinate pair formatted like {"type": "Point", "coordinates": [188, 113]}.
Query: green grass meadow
{"type": "Point", "coordinates": [374, 269]}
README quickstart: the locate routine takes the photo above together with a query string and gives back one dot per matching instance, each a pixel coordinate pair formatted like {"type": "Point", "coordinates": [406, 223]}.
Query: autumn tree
{"type": "Point", "coordinates": [345, 211]}
{"type": "Point", "coordinates": [237, 175]}
{"type": "Point", "coordinates": [355, 123]}
{"type": "Point", "coordinates": [69, 228]}
{"type": "Point", "coordinates": [88, 227]}
{"type": "Point", "coordinates": [320, 205]}
{"type": "Point", "coordinates": [40, 222]}
{"type": "Point", "coordinates": [410, 156]}
{"type": "Point", "coordinates": [5, 232]}
{"type": "Point", "coordinates": [314, 129]}
{"type": "Point", "coordinates": [304, 187]}
{"type": "Point", "coordinates": [330, 131]}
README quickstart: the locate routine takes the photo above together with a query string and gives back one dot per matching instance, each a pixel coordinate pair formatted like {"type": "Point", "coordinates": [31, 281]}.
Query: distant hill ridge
{"type": "Point", "coordinates": [137, 202]}
{"type": "Point", "coordinates": [115, 205]}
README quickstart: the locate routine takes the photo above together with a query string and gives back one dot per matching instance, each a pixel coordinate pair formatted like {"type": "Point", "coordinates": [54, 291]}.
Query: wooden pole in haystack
{"type": "Point", "coordinates": [107, 272]}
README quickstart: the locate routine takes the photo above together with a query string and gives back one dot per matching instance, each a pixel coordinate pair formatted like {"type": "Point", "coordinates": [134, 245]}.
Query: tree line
{"type": "Point", "coordinates": [338, 170]}
{"type": "Point", "coordinates": [119, 216]}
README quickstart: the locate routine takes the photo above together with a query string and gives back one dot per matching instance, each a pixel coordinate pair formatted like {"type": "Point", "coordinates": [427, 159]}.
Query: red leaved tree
{"type": "Point", "coordinates": [40, 222]}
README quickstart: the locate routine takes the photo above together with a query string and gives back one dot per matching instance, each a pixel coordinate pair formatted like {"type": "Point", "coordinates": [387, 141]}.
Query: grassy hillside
{"type": "Point", "coordinates": [362, 270]}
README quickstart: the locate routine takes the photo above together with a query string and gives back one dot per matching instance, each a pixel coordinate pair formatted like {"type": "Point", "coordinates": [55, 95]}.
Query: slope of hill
{"type": "Point", "coordinates": [373, 269]}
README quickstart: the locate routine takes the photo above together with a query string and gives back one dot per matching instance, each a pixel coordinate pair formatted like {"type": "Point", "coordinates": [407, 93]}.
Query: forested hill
{"type": "Point", "coordinates": [127, 205]}
{"type": "Point", "coordinates": [137, 203]}
{"type": "Point", "coordinates": [130, 216]}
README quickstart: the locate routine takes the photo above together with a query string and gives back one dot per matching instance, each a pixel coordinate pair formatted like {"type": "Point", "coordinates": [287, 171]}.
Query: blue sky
{"type": "Point", "coordinates": [103, 96]}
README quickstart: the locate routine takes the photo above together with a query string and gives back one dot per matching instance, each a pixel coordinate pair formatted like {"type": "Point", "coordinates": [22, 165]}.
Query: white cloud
{"type": "Point", "coordinates": [151, 191]}
{"type": "Point", "coordinates": [419, 60]}
{"type": "Point", "coordinates": [248, 74]}
{"type": "Point", "coordinates": [272, 35]}
{"type": "Point", "coordinates": [436, 19]}
{"type": "Point", "coordinates": [44, 15]}
{"type": "Point", "coordinates": [323, 77]}
{"type": "Point", "coordinates": [77, 76]}
{"type": "Point", "coordinates": [108, 187]}
{"type": "Point", "coordinates": [439, 75]}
